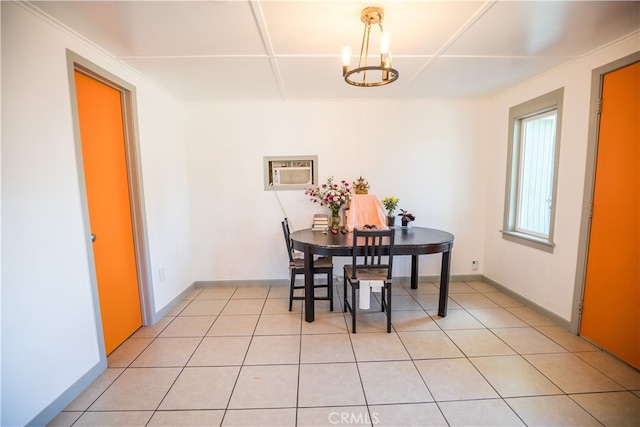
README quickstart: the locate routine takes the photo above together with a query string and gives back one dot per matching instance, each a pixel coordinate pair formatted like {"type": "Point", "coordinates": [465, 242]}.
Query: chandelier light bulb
{"type": "Point", "coordinates": [384, 42]}
{"type": "Point", "coordinates": [345, 52]}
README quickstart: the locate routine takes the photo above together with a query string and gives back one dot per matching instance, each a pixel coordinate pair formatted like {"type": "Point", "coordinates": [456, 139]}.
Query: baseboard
{"type": "Point", "coordinates": [565, 324]}
{"type": "Point", "coordinates": [68, 396]}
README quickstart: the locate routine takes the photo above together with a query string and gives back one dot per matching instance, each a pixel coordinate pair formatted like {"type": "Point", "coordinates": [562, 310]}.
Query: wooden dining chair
{"type": "Point", "coordinates": [322, 265]}
{"type": "Point", "coordinates": [374, 265]}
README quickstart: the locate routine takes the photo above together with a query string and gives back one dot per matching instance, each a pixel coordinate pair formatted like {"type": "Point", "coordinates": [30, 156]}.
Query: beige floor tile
{"type": "Point", "coordinates": [403, 302]}
{"type": "Point", "coordinates": [372, 320]}
{"type": "Point", "coordinates": [612, 409]}
{"type": "Point", "coordinates": [281, 306]}
{"type": "Point", "coordinates": [217, 292]}
{"type": "Point", "coordinates": [482, 287]}
{"type": "Point", "coordinates": [201, 388]}
{"type": "Point", "coordinates": [260, 417]}
{"type": "Point", "coordinates": [378, 347]}
{"type": "Point", "coordinates": [273, 386]}
{"type": "Point", "coordinates": [476, 300]}
{"type": "Point", "coordinates": [551, 411]}
{"type": "Point", "coordinates": [334, 416]}
{"type": "Point", "coordinates": [431, 302]}
{"type": "Point", "coordinates": [423, 288]}
{"type": "Point", "coordinates": [195, 292]}
{"type": "Point", "coordinates": [114, 418]}
{"type": "Point", "coordinates": [566, 339]}
{"type": "Point", "coordinates": [503, 300]}
{"type": "Point", "coordinates": [412, 321]}
{"type": "Point", "coordinates": [392, 382]}
{"type": "Point", "coordinates": [220, 351]}
{"type": "Point", "coordinates": [137, 389]}
{"type": "Point", "coordinates": [324, 348]}
{"type": "Point", "coordinates": [97, 387]}
{"type": "Point", "coordinates": [188, 326]}
{"type": "Point", "coordinates": [479, 342]}
{"type": "Point", "coordinates": [154, 330]}
{"type": "Point", "coordinates": [330, 384]}
{"type": "Point", "coordinates": [528, 341]}
{"type": "Point", "coordinates": [407, 415]}
{"type": "Point", "coordinates": [127, 352]}
{"type": "Point", "coordinates": [492, 412]}
{"type": "Point", "coordinates": [513, 376]}
{"type": "Point", "coordinates": [461, 288]}
{"type": "Point", "coordinates": [204, 307]}
{"type": "Point", "coordinates": [243, 306]}
{"type": "Point", "coordinates": [456, 319]}
{"type": "Point", "coordinates": [65, 419]}
{"type": "Point", "coordinates": [234, 325]}
{"type": "Point", "coordinates": [531, 317]}
{"type": "Point", "coordinates": [175, 311]}
{"type": "Point", "coordinates": [326, 323]}
{"type": "Point", "coordinates": [165, 352]}
{"type": "Point", "coordinates": [572, 374]}
{"type": "Point", "coordinates": [496, 318]}
{"type": "Point", "coordinates": [249, 292]}
{"type": "Point", "coordinates": [618, 371]}
{"type": "Point", "coordinates": [279, 292]}
{"type": "Point", "coordinates": [186, 418]}
{"type": "Point", "coordinates": [454, 379]}
{"type": "Point", "coordinates": [429, 345]}
{"type": "Point", "coordinates": [279, 324]}
{"type": "Point", "coordinates": [274, 350]}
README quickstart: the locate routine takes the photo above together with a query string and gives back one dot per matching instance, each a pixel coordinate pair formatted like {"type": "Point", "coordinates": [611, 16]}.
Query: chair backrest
{"type": "Point", "coordinates": [376, 250]}
{"type": "Point", "coordinates": [287, 238]}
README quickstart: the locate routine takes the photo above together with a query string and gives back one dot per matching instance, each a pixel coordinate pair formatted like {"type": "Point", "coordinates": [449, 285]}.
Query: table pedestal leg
{"type": "Point", "coordinates": [444, 283]}
{"type": "Point", "coordinates": [414, 271]}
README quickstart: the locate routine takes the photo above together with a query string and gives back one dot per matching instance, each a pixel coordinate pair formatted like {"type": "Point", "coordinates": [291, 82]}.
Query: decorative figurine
{"type": "Point", "coordinates": [361, 186]}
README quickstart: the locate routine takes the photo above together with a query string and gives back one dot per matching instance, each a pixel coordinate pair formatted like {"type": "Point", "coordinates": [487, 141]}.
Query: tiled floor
{"type": "Point", "coordinates": [238, 357]}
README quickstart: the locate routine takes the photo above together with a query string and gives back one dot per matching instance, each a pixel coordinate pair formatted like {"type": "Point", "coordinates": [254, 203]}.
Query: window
{"type": "Point", "coordinates": [532, 166]}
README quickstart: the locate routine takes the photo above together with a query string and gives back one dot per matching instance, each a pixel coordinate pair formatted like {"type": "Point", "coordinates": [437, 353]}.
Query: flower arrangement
{"type": "Point", "coordinates": [406, 217]}
{"type": "Point", "coordinates": [390, 203]}
{"type": "Point", "coordinates": [331, 194]}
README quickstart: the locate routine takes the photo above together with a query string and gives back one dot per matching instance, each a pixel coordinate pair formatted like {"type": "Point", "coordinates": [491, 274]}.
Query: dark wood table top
{"type": "Point", "coordinates": [408, 241]}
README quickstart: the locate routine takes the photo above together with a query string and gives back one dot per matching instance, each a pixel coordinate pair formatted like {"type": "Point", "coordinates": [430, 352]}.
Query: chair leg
{"type": "Point", "coordinates": [330, 290]}
{"type": "Point", "coordinates": [293, 282]}
{"type": "Point", "coordinates": [388, 304]}
{"type": "Point", "coordinates": [344, 293]}
{"type": "Point", "coordinates": [353, 308]}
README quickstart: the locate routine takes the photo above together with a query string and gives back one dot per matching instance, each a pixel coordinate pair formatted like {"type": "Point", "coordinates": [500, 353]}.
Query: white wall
{"type": "Point", "coordinates": [49, 336]}
{"type": "Point", "coordinates": [430, 154]}
{"type": "Point", "coordinates": [544, 278]}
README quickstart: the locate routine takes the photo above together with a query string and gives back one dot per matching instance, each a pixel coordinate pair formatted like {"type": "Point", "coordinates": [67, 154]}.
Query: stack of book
{"type": "Point", "coordinates": [320, 222]}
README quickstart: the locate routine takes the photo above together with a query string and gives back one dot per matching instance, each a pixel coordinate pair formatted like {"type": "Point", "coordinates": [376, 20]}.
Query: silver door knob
{"type": "Point", "coordinates": [93, 237]}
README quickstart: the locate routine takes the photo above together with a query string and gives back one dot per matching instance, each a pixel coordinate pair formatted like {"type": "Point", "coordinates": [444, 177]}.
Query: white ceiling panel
{"type": "Point", "coordinates": [224, 50]}
{"type": "Point", "coordinates": [475, 77]}
{"type": "Point", "coordinates": [547, 28]}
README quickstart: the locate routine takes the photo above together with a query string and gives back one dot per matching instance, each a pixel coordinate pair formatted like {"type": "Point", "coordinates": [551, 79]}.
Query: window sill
{"type": "Point", "coordinates": [528, 240]}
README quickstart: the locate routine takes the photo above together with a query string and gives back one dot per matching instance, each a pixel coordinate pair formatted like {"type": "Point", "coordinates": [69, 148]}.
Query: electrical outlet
{"type": "Point", "coordinates": [161, 275]}
{"type": "Point", "coordinates": [475, 264]}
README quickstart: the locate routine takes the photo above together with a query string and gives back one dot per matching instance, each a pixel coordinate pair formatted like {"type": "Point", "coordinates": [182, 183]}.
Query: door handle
{"type": "Point", "coordinates": [93, 237]}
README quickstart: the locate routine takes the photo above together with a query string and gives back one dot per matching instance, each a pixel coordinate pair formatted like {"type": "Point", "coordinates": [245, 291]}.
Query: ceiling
{"type": "Point", "coordinates": [240, 50]}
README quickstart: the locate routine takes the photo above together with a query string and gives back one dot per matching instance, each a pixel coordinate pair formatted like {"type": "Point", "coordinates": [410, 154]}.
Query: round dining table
{"type": "Point", "coordinates": [412, 241]}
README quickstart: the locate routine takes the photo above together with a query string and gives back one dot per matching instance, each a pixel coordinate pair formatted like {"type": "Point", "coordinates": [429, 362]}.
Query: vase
{"type": "Point", "coordinates": [391, 220]}
{"type": "Point", "coordinates": [334, 221]}
{"type": "Point", "coordinates": [405, 223]}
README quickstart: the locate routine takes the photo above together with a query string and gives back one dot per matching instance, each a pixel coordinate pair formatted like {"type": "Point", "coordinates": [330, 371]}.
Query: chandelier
{"type": "Point", "coordinates": [378, 75]}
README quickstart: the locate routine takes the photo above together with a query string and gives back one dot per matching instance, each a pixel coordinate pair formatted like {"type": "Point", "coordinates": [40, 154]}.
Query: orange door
{"type": "Point", "coordinates": [610, 316]}
{"type": "Point", "coordinates": [105, 168]}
